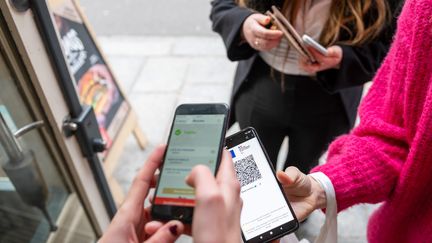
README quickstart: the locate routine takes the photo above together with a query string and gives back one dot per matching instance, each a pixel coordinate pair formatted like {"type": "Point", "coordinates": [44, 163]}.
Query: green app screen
{"type": "Point", "coordinates": [194, 140]}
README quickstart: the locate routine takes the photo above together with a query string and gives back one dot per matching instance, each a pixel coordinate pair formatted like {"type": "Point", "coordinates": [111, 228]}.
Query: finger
{"type": "Point", "coordinates": [141, 184]}
{"type": "Point", "coordinates": [291, 177]}
{"type": "Point", "coordinates": [167, 233]}
{"type": "Point", "coordinates": [229, 184]}
{"type": "Point", "coordinates": [226, 170]}
{"type": "Point", "coordinates": [294, 181]}
{"type": "Point", "coordinates": [312, 68]}
{"type": "Point", "coordinates": [318, 56]}
{"type": "Point", "coordinates": [266, 34]}
{"type": "Point", "coordinates": [305, 65]}
{"type": "Point", "coordinates": [272, 44]}
{"type": "Point", "coordinates": [202, 179]}
{"type": "Point", "coordinates": [207, 192]}
{"type": "Point", "coordinates": [283, 178]}
{"type": "Point", "coordinates": [268, 44]}
{"type": "Point", "coordinates": [308, 66]}
{"type": "Point", "coordinates": [151, 227]}
{"type": "Point", "coordinates": [262, 19]}
{"type": "Point", "coordinates": [227, 179]}
{"type": "Point", "coordinates": [334, 51]}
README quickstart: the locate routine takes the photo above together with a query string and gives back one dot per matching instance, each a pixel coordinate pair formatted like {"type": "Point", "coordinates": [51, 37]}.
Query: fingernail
{"type": "Point", "coordinates": [173, 230]}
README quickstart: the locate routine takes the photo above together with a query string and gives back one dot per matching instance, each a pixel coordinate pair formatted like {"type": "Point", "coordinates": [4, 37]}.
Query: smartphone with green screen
{"type": "Point", "coordinates": [196, 137]}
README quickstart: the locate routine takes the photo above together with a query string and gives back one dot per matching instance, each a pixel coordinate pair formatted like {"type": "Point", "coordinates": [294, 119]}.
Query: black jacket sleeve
{"type": "Point", "coordinates": [359, 63]}
{"type": "Point", "coordinates": [227, 20]}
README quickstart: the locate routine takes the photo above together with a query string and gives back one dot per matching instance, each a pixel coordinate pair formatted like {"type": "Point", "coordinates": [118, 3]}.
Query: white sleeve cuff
{"type": "Point", "coordinates": [328, 232]}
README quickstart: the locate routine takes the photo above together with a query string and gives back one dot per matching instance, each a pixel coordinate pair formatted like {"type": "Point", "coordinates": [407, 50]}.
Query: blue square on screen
{"type": "Point", "coordinates": [232, 154]}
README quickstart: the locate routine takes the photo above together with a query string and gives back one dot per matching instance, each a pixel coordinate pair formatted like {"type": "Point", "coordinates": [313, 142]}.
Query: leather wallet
{"type": "Point", "coordinates": [290, 33]}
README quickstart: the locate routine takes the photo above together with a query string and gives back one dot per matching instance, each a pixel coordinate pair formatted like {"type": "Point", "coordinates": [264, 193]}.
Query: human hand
{"type": "Point", "coordinates": [132, 221]}
{"type": "Point", "coordinates": [218, 204]}
{"type": "Point", "coordinates": [257, 35]}
{"type": "Point", "coordinates": [332, 60]}
{"type": "Point", "coordinates": [304, 193]}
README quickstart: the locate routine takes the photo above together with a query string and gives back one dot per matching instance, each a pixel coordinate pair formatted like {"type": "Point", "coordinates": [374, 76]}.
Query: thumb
{"type": "Point", "coordinates": [294, 181]}
{"type": "Point", "coordinates": [291, 177]}
{"type": "Point", "coordinates": [334, 51]}
{"type": "Point", "coordinates": [167, 233]}
{"type": "Point", "coordinates": [262, 19]}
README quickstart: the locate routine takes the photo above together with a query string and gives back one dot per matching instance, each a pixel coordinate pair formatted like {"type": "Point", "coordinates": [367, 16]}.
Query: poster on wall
{"type": "Point", "coordinates": [95, 83]}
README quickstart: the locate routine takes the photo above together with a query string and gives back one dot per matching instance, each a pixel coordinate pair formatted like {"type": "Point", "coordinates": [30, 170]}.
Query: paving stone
{"type": "Point", "coordinates": [131, 160]}
{"type": "Point", "coordinates": [162, 74]}
{"type": "Point", "coordinates": [211, 70]}
{"type": "Point", "coordinates": [126, 69]}
{"type": "Point", "coordinates": [138, 17]}
{"type": "Point", "coordinates": [199, 46]}
{"type": "Point", "coordinates": [202, 93]}
{"type": "Point", "coordinates": [136, 46]}
{"type": "Point", "coordinates": [155, 112]}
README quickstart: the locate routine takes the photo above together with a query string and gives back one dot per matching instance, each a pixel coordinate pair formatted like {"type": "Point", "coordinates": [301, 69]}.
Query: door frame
{"type": "Point", "coordinates": [25, 50]}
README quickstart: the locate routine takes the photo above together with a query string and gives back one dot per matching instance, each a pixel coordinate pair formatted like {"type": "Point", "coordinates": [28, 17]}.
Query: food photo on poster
{"type": "Point", "coordinates": [95, 83]}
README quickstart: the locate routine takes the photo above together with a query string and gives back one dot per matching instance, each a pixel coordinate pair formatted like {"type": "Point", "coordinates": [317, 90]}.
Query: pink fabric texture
{"type": "Point", "coordinates": [388, 157]}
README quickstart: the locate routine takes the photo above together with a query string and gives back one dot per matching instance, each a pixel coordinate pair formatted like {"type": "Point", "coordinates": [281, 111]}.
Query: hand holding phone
{"type": "Point", "coordinates": [266, 214]}
{"type": "Point", "coordinates": [196, 137]}
{"type": "Point", "coordinates": [312, 43]}
{"type": "Point", "coordinates": [133, 214]}
{"type": "Point", "coordinates": [309, 193]}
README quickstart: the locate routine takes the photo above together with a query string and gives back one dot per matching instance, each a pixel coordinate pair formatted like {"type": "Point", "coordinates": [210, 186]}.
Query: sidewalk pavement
{"type": "Point", "coordinates": [158, 73]}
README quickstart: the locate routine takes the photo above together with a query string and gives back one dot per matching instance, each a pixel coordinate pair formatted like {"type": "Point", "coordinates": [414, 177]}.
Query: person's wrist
{"type": "Point", "coordinates": [318, 193]}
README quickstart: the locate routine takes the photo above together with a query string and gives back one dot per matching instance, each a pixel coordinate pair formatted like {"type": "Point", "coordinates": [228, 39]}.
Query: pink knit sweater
{"type": "Point", "coordinates": [388, 157]}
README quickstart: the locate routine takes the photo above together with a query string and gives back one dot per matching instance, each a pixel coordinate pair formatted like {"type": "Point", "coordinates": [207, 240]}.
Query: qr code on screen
{"type": "Point", "coordinates": [247, 170]}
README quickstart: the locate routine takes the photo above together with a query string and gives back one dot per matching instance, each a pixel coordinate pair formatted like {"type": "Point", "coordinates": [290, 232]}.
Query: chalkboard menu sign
{"type": "Point", "coordinates": [95, 83]}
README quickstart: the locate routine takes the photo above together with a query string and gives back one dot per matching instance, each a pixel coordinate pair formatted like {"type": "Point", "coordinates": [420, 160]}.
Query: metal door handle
{"type": "Point", "coordinates": [22, 169]}
{"type": "Point", "coordinates": [23, 130]}
{"type": "Point", "coordinates": [9, 139]}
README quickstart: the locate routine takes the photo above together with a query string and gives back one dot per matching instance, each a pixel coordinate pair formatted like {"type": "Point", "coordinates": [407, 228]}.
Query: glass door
{"type": "Point", "coordinates": [35, 185]}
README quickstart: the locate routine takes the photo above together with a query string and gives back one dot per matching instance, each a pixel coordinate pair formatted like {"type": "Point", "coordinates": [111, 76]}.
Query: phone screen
{"type": "Point", "coordinates": [194, 139]}
{"type": "Point", "coordinates": [265, 213]}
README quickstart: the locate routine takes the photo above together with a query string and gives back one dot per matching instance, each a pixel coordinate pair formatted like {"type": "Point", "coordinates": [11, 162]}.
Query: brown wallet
{"type": "Point", "coordinates": [290, 33]}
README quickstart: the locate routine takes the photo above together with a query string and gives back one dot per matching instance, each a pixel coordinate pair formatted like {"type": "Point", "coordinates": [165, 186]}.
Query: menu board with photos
{"type": "Point", "coordinates": [95, 83]}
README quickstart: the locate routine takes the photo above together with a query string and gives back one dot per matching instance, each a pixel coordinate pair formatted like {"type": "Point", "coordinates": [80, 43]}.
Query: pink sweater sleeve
{"type": "Point", "coordinates": [365, 164]}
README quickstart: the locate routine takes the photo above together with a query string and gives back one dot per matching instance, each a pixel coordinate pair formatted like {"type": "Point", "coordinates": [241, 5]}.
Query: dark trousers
{"type": "Point", "coordinates": [305, 112]}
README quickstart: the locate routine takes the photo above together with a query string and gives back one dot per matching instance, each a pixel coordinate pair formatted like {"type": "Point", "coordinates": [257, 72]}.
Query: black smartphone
{"type": "Point", "coordinates": [266, 214]}
{"type": "Point", "coordinates": [196, 137]}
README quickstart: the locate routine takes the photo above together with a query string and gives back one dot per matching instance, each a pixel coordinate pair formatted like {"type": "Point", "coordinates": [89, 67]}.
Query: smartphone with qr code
{"type": "Point", "coordinates": [266, 214]}
{"type": "Point", "coordinates": [196, 137]}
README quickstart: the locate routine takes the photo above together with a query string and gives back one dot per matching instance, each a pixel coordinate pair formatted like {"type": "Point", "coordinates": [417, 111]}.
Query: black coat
{"type": "Point", "coordinates": [358, 66]}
